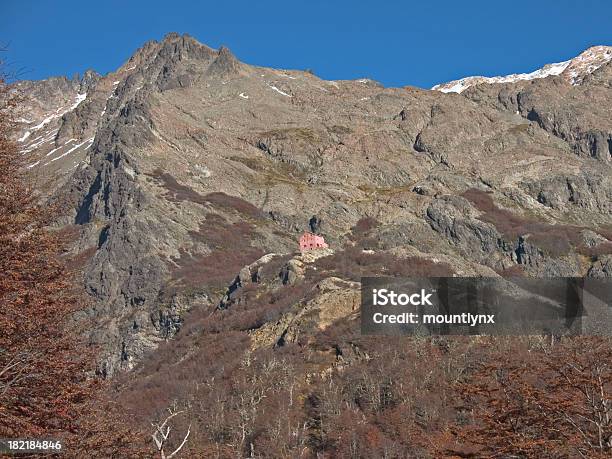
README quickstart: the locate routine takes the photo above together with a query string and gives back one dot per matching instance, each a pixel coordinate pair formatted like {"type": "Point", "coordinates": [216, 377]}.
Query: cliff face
{"type": "Point", "coordinates": [186, 165]}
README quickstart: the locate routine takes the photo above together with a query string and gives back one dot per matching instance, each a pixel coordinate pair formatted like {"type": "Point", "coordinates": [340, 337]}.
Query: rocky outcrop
{"type": "Point", "coordinates": [602, 267]}
{"type": "Point", "coordinates": [590, 190]}
{"type": "Point", "coordinates": [124, 277]}
{"type": "Point", "coordinates": [249, 274]}
{"type": "Point", "coordinates": [453, 217]}
{"type": "Point", "coordinates": [334, 299]}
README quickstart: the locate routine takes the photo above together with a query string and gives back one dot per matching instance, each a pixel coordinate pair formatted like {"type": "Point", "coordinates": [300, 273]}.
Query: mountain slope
{"type": "Point", "coordinates": [186, 165]}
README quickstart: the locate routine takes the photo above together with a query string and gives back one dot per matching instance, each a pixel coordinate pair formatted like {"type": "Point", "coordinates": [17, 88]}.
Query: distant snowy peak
{"type": "Point", "coordinates": [587, 62]}
{"type": "Point", "coordinates": [573, 70]}
{"type": "Point", "coordinates": [464, 83]}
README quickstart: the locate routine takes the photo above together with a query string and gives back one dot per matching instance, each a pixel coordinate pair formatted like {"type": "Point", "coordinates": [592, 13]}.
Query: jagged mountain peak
{"type": "Point", "coordinates": [225, 63]}
{"type": "Point", "coordinates": [573, 71]}
{"type": "Point", "coordinates": [173, 47]}
{"type": "Point", "coordinates": [184, 46]}
{"type": "Point", "coordinates": [180, 60]}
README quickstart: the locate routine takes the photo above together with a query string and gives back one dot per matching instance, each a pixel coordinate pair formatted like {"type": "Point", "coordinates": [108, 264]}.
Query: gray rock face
{"type": "Point", "coordinates": [590, 190]}
{"type": "Point", "coordinates": [188, 166]}
{"type": "Point", "coordinates": [123, 276]}
{"type": "Point", "coordinates": [315, 224]}
{"type": "Point", "coordinates": [451, 216]}
{"type": "Point", "coordinates": [291, 272]}
{"type": "Point", "coordinates": [52, 93]}
{"type": "Point", "coordinates": [602, 267]}
{"type": "Point", "coordinates": [578, 115]}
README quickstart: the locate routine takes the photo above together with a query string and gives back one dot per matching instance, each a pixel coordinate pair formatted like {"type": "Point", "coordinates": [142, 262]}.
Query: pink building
{"type": "Point", "coordinates": [309, 241]}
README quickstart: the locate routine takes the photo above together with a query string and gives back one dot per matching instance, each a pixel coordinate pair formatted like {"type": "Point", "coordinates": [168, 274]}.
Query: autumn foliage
{"type": "Point", "coordinates": [542, 401]}
{"type": "Point", "coordinates": [42, 367]}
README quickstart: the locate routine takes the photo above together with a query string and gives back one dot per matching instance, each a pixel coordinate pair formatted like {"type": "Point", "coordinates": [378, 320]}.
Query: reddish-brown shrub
{"type": "Point", "coordinates": [353, 263]}
{"type": "Point", "coordinates": [364, 225]}
{"type": "Point", "coordinates": [512, 271]}
{"type": "Point", "coordinates": [231, 249]}
{"type": "Point", "coordinates": [604, 248]}
{"type": "Point", "coordinates": [550, 402]}
{"type": "Point", "coordinates": [250, 309]}
{"type": "Point", "coordinates": [556, 240]}
{"type": "Point", "coordinates": [178, 192]}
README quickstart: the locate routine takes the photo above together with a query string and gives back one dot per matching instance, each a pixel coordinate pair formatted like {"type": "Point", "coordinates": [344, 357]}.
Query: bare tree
{"type": "Point", "coordinates": [162, 434]}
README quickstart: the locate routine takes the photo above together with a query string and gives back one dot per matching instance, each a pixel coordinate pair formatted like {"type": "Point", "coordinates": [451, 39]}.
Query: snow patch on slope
{"type": "Point", "coordinates": [279, 91]}
{"type": "Point", "coordinates": [89, 141]}
{"type": "Point", "coordinates": [60, 112]}
{"type": "Point", "coordinates": [24, 136]}
{"type": "Point", "coordinates": [79, 98]}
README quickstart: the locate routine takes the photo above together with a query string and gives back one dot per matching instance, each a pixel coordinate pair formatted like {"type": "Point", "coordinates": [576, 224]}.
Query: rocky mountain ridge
{"type": "Point", "coordinates": [186, 165]}
{"type": "Point", "coordinates": [574, 71]}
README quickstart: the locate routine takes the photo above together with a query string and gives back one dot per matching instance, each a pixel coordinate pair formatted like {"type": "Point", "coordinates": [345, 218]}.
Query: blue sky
{"type": "Point", "coordinates": [395, 42]}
